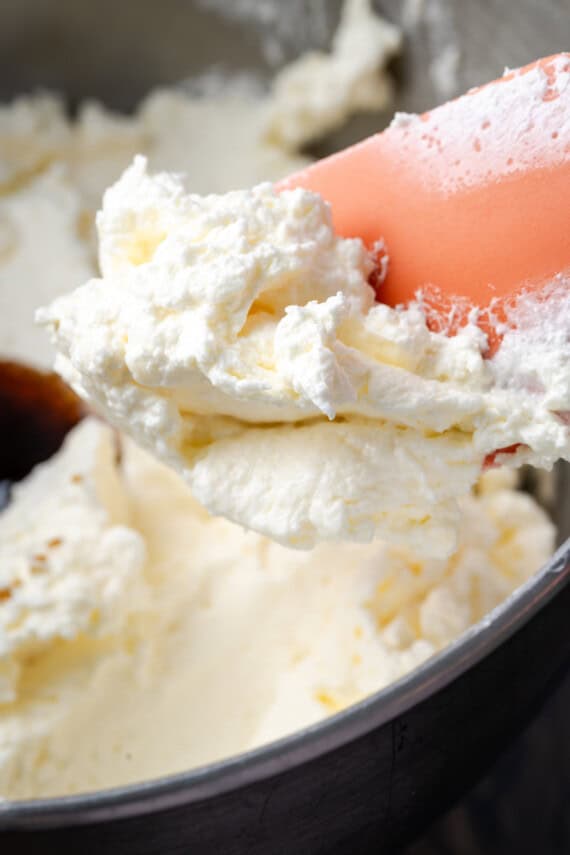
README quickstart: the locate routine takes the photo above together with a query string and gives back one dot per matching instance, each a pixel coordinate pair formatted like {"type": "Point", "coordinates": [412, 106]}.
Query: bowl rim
{"type": "Point", "coordinates": [214, 779]}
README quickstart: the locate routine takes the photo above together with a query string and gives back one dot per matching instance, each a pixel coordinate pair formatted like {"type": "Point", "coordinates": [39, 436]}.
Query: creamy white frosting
{"type": "Point", "coordinates": [67, 557]}
{"type": "Point", "coordinates": [41, 255]}
{"type": "Point", "coordinates": [237, 338]}
{"type": "Point", "coordinates": [33, 132]}
{"type": "Point", "coordinates": [319, 91]}
{"type": "Point", "coordinates": [523, 114]}
{"type": "Point", "coordinates": [136, 662]}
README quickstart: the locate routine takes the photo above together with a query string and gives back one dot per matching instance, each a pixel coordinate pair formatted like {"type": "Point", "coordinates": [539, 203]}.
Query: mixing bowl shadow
{"type": "Point", "coordinates": [370, 778]}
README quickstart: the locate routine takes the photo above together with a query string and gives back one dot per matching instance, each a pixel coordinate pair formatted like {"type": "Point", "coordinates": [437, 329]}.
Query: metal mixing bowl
{"type": "Point", "coordinates": [370, 778]}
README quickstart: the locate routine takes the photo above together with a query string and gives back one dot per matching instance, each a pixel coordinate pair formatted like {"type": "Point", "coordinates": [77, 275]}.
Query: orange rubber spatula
{"type": "Point", "coordinates": [469, 198]}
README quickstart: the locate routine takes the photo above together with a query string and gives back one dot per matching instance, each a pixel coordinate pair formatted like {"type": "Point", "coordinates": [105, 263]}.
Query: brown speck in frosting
{"type": "Point", "coordinates": [38, 567]}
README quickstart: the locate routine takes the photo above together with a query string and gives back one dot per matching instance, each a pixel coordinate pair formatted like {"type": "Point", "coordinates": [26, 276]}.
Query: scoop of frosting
{"type": "Point", "coordinates": [237, 338]}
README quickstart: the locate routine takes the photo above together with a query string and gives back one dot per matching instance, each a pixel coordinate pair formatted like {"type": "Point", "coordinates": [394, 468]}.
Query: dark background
{"type": "Point", "coordinates": [523, 806]}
